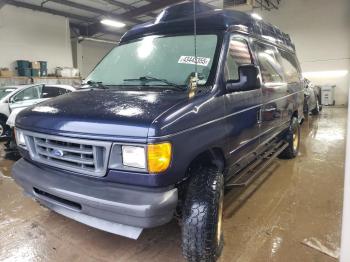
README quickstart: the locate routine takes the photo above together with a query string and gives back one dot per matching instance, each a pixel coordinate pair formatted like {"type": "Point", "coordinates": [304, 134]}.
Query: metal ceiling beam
{"type": "Point", "coordinates": [91, 30]}
{"type": "Point", "coordinates": [3, 2]}
{"type": "Point", "coordinates": [95, 10]}
{"type": "Point", "coordinates": [119, 4]}
{"type": "Point", "coordinates": [268, 2]}
{"type": "Point", "coordinates": [155, 5]}
{"type": "Point", "coordinates": [98, 40]}
{"type": "Point", "coordinates": [261, 5]}
{"type": "Point", "coordinates": [126, 6]}
{"type": "Point", "coordinates": [48, 10]}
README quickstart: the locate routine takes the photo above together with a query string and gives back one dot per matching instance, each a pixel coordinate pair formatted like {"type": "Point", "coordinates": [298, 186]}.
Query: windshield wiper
{"type": "Point", "coordinates": [151, 78]}
{"type": "Point", "coordinates": [95, 84]}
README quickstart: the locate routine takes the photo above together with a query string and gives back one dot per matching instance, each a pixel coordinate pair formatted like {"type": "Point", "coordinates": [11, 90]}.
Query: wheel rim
{"type": "Point", "coordinates": [295, 139]}
{"type": "Point", "coordinates": [1, 130]}
{"type": "Point", "coordinates": [219, 224]}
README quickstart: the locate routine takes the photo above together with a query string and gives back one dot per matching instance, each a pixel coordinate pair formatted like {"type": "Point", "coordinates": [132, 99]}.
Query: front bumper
{"type": "Point", "coordinates": [101, 204]}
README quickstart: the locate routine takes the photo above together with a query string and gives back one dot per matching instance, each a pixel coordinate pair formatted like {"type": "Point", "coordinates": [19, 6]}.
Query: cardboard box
{"type": "Point", "coordinates": [35, 65]}
{"type": "Point", "coordinates": [67, 72]}
{"type": "Point", "coordinates": [6, 73]}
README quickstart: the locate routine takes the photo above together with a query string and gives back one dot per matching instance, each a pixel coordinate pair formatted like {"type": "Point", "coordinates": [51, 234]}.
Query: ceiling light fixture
{"type": "Point", "coordinates": [256, 16]}
{"type": "Point", "coordinates": [113, 23]}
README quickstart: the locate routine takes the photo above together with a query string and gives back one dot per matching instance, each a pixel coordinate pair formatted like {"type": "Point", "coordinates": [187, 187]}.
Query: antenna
{"type": "Point", "coordinates": [194, 79]}
{"type": "Point", "coordinates": [195, 37]}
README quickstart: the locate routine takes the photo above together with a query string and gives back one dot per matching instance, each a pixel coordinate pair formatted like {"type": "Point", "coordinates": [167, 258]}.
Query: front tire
{"type": "Point", "coordinates": [293, 138]}
{"type": "Point", "coordinates": [202, 237]}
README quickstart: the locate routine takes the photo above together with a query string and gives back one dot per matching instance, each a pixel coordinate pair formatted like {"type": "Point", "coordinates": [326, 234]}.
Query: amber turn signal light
{"type": "Point", "coordinates": [159, 157]}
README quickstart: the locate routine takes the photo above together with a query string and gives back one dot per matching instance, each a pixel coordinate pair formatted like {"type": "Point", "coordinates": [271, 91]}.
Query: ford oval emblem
{"type": "Point", "coordinates": [57, 152]}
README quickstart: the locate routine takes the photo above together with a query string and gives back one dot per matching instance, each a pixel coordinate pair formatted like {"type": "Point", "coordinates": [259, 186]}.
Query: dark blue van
{"type": "Point", "coordinates": [164, 125]}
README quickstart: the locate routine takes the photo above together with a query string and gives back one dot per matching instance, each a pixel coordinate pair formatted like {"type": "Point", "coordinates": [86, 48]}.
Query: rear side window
{"type": "Point", "coordinates": [63, 91]}
{"type": "Point", "coordinates": [52, 91]}
{"type": "Point", "coordinates": [290, 65]}
{"type": "Point", "coordinates": [271, 69]}
{"type": "Point", "coordinates": [238, 54]}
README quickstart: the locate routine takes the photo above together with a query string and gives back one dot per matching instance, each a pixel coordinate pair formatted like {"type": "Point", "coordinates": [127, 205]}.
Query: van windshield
{"type": "Point", "coordinates": [5, 91]}
{"type": "Point", "coordinates": [156, 61]}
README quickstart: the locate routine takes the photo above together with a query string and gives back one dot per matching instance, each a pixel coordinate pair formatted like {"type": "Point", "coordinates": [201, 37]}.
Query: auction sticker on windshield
{"type": "Point", "coordinates": [191, 60]}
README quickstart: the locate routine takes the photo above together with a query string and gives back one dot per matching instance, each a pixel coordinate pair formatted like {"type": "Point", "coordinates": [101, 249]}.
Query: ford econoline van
{"type": "Point", "coordinates": [165, 124]}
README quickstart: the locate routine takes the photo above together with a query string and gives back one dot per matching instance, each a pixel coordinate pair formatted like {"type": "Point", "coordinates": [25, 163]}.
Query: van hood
{"type": "Point", "coordinates": [99, 113]}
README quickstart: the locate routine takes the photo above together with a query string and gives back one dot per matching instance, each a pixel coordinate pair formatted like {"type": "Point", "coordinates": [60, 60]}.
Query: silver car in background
{"type": "Point", "coordinates": [16, 98]}
{"type": "Point", "coordinates": [312, 98]}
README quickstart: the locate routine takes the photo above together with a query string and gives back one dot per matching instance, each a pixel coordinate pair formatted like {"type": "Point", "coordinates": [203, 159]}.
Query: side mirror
{"type": "Point", "coordinates": [248, 79]}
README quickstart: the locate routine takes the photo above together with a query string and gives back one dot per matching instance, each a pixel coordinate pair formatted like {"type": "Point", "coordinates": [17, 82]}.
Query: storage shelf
{"type": "Point", "coordinates": [49, 80]}
{"type": "Point", "coordinates": [47, 77]}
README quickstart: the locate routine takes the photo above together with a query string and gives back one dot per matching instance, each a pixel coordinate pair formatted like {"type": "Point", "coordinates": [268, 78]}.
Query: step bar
{"type": "Point", "coordinates": [255, 168]}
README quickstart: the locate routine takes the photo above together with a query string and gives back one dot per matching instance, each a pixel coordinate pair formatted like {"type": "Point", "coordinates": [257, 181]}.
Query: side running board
{"type": "Point", "coordinates": [263, 160]}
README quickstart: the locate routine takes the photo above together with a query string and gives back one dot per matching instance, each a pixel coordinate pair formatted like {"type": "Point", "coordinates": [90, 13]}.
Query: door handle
{"type": "Point", "coordinates": [258, 116]}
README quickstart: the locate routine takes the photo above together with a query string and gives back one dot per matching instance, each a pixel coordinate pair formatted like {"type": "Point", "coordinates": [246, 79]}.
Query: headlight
{"type": "Point", "coordinates": [134, 156]}
{"type": "Point", "coordinates": [20, 139]}
{"type": "Point", "coordinates": [154, 158]}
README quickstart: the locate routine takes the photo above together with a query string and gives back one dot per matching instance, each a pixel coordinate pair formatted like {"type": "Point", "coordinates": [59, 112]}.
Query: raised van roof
{"type": "Point", "coordinates": [179, 19]}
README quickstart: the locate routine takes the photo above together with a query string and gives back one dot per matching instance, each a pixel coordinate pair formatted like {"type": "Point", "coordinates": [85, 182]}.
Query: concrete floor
{"type": "Point", "coordinates": [292, 201]}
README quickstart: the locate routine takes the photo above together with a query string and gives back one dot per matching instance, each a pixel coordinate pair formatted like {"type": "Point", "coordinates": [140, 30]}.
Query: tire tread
{"type": "Point", "coordinates": [200, 215]}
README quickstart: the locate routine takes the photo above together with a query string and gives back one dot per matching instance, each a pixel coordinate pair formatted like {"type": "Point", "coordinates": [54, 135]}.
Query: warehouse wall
{"type": "Point", "coordinates": [29, 35]}
{"type": "Point", "coordinates": [320, 30]}
{"type": "Point", "coordinates": [89, 53]}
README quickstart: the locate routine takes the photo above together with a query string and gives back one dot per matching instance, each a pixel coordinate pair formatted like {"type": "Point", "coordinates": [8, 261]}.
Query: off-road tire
{"type": "Point", "coordinates": [292, 150]}
{"type": "Point", "coordinates": [202, 238]}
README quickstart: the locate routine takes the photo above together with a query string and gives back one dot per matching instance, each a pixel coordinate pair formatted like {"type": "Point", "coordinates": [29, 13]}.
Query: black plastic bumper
{"type": "Point", "coordinates": [133, 206]}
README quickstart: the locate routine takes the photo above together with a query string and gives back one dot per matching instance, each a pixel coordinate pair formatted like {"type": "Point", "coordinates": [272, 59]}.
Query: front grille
{"type": "Point", "coordinates": [78, 155]}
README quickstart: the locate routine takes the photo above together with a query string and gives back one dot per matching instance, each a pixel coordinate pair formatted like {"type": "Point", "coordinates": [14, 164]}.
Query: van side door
{"type": "Point", "coordinates": [242, 107]}
{"type": "Point", "coordinates": [274, 90]}
{"type": "Point", "coordinates": [292, 73]}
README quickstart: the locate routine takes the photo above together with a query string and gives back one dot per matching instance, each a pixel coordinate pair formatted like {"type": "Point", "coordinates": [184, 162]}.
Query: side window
{"type": "Point", "coordinates": [27, 94]}
{"type": "Point", "coordinates": [238, 54]}
{"type": "Point", "coordinates": [271, 69]}
{"type": "Point", "coordinates": [64, 91]}
{"type": "Point", "coordinates": [290, 65]}
{"type": "Point", "coordinates": [50, 91]}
